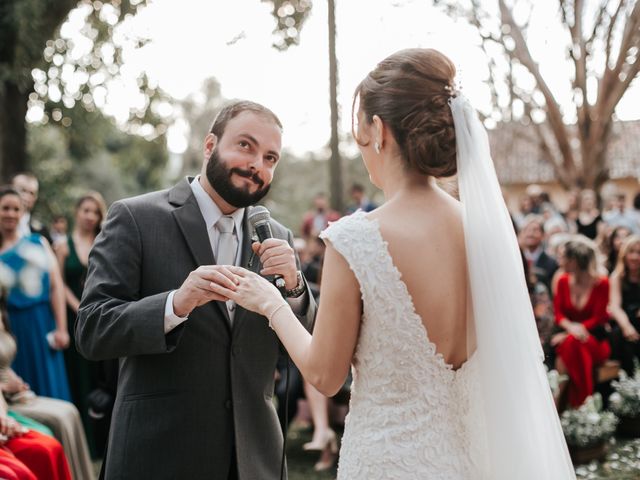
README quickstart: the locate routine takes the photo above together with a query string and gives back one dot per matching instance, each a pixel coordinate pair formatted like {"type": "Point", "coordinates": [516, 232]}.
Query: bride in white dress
{"type": "Point", "coordinates": [424, 298]}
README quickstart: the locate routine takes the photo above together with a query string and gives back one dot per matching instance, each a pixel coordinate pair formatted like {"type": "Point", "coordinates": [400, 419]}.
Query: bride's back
{"type": "Point", "coordinates": [408, 409]}
{"type": "Point", "coordinates": [426, 242]}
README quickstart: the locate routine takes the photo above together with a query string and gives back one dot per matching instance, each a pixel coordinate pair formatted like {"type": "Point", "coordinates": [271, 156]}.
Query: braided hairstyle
{"type": "Point", "coordinates": [410, 92]}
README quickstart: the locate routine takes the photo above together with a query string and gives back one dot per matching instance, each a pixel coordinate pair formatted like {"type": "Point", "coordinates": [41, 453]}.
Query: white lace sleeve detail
{"type": "Point", "coordinates": [352, 238]}
{"type": "Point", "coordinates": [407, 418]}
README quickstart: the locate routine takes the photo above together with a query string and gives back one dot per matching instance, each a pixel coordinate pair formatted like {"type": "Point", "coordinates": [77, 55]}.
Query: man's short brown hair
{"type": "Point", "coordinates": [235, 108]}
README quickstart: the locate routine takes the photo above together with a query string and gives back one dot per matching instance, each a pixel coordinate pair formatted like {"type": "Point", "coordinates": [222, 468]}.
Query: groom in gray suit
{"type": "Point", "coordinates": [196, 381]}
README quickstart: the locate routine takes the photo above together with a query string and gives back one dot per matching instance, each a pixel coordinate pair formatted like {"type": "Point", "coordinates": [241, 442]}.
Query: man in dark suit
{"type": "Point", "coordinates": [360, 200]}
{"type": "Point", "coordinates": [26, 183]}
{"type": "Point", "coordinates": [531, 238]}
{"type": "Point", "coordinates": [196, 380]}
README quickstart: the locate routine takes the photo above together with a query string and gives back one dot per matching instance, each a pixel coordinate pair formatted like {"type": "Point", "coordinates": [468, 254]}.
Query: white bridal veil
{"type": "Point", "coordinates": [521, 437]}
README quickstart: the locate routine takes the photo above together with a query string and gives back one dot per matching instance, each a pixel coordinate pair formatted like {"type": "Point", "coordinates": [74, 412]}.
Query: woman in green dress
{"type": "Point", "coordinates": [73, 255]}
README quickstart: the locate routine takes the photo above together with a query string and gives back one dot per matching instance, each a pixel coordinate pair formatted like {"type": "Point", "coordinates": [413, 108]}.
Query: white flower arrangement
{"type": "Point", "coordinates": [555, 379]}
{"type": "Point", "coordinates": [588, 425]}
{"type": "Point", "coordinates": [625, 401]}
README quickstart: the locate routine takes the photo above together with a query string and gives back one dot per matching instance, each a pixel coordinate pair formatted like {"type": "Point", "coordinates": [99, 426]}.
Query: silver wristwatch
{"type": "Point", "coordinates": [298, 289]}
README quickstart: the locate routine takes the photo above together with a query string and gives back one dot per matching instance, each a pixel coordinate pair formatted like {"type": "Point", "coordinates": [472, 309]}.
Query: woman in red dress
{"type": "Point", "coordinates": [580, 302]}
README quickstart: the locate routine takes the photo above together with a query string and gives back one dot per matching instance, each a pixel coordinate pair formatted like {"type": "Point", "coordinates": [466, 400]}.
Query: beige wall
{"type": "Point", "coordinates": [514, 192]}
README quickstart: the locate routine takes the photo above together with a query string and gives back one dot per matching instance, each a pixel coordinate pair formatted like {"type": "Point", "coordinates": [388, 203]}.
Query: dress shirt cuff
{"type": "Point", "coordinates": [299, 304]}
{"type": "Point", "coordinates": [171, 320]}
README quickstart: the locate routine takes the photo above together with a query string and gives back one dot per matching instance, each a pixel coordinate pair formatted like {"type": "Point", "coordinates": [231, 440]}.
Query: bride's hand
{"type": "Point", "coordinates": [252, 292]}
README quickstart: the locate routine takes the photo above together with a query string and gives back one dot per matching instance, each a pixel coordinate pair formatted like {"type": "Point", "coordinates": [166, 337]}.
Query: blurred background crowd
{"type": "Point", "coordinates": [581, 263]}
{"type": "Point", "coordinates": [102, 96]}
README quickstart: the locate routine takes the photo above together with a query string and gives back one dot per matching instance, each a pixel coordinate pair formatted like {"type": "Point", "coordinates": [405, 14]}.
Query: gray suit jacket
{"type": "Point", "coordinates": [186, 398]}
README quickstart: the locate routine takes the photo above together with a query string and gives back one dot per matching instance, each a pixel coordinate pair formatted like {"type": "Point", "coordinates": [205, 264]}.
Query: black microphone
{"type": "Point", "coordinates": [259, 219]}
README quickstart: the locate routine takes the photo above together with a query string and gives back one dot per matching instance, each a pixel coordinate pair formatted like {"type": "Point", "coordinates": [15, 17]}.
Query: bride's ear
{"type": "Point", "coordinates": [379, 132]}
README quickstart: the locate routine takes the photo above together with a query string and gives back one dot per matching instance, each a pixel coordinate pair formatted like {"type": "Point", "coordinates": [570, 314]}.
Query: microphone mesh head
{"type": "Point", "coordinates": [258, 214]}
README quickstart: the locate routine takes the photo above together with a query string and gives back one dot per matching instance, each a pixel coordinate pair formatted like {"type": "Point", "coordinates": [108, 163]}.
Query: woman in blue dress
{"type": "Point", "coordinates": [35, 302]}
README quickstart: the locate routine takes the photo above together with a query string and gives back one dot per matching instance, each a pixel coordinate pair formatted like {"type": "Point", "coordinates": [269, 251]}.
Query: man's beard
{"type": "Point", "coordinates": [220, 179]}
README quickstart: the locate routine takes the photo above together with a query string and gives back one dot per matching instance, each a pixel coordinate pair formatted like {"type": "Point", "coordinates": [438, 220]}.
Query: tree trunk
{"type": "Point", "coordinates": [13, 130]}
{"type": "Point", "coordinates": [335, 163]}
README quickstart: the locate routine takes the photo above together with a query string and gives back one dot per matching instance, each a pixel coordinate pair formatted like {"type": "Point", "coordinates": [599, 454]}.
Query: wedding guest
{"type": "Point", "coordinates": [35, 303]}
{"type": "Point", "coordinates": [624, 305]}
{"type": "Point", "coordinates": [73, 257]}
{"type": "Point", "coordinates": [618, 215]}
{"type": "Point", "coordinates": [41, 454]}
{"type": "Point", "coordinates": [589, 217]}
{"type": "Point", "coordinates": [571, 213]}
{"type": "Point", "coordinates": [613, 243]}
{"type": "Point", "coordinates": [324, 439]}
{"type": "Point", "coordinates": [531, 242]}
{"type": "Point", "coordinates": [580, 303]}
{"type": "Point", "coordinates": [58, 231]}
{"type": "Point", "coordinates": [59, 417]}
{"type": "Point", "coordinates": [360, 199]}
{"type": "Point", "coordinates": [26, 183]}
{"type": "Point", "coordinates": [316, 220]}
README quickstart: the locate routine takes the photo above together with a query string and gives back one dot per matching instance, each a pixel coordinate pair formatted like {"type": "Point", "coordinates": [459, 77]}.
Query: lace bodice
{"type": "Point", "coordinates": [409, 410]}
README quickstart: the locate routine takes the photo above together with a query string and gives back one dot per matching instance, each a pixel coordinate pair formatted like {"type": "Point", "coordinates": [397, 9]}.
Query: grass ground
{"type": "Point", "coordinates": [622, 462]}
{"type": "Point", "coordinates": [300, 463]}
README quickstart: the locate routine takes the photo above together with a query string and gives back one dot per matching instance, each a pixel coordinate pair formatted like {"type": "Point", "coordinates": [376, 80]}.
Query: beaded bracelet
{"type": "Point", "coordinates": [272, 314]}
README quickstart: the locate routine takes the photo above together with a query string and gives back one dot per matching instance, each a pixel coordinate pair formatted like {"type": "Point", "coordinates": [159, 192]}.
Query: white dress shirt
{"type": "Point", "coordinates": [23, 226]}
{"type": "Point", "coordinates": [211, 214]}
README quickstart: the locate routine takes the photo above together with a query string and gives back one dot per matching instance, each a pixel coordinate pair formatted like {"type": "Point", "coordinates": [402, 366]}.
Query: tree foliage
{"type": "Point", "coordinates": [602, 44]}
{"type": "Point", "coordinates": [115, 163]}
{"type": "Point", "coordinates": [199, 110]}
{"type": "Point", "coordinates": [290, 16]}
{"type": "Point", "coordinates": [49, 67]}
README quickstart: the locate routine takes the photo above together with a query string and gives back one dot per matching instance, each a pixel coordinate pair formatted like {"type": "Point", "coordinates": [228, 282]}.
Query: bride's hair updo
{"type": "Point", "coordinates": [409, 91]}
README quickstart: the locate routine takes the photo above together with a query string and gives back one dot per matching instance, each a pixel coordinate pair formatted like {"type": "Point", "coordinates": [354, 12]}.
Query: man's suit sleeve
{"type": "Point", "coordinates": [308, 316]}
{"type": "Point", "coordinates": [113, 320]}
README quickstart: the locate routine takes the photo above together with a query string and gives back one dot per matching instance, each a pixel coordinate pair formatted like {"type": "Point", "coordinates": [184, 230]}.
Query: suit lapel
{"type": "Point", "coordinates": [189, 219]}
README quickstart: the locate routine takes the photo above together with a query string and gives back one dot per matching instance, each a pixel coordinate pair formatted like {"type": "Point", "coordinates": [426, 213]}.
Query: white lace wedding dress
{"type": "Point", "coordinates": [410, 415]}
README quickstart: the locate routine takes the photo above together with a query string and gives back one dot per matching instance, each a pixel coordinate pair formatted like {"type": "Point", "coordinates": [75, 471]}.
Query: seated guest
{"type": "Point", "coordinates": [531, 238]}
{"type": "Point", "coordinates": [542, 309]}
{"type": "Point", "coordinates": [624, 305]}
{"type": "Point", "coordinates": [580, 304]}
{"type": "Point", "coordinates": [617, 215]}
{"type": "Point", "coordinates": [612, 246]}
{"type": "Point", "coordinates": [40, 454]}
{"type": "Point", "coordinates": [27, 454]}
{"type": "Point", "coordinates": [58, 418]}
{"type": "Point", "coordinates": [13, 469]}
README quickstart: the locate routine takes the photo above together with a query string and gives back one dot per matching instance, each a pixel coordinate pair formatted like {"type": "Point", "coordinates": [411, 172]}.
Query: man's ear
{"type": "Point", "coordinates": [210, 142]}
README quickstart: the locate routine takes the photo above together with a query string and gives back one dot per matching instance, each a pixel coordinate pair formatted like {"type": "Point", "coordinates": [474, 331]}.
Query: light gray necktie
{"type": "Point", "coordinates": [226, 250]}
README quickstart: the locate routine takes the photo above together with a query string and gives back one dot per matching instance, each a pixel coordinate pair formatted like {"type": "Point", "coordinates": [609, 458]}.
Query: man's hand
{"type": "Point", "coordinates": [278, 258]}
{"type": "Point", "coordinates": [196, 289]}
{"type": "Point", "coordinates": [252, 292]}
